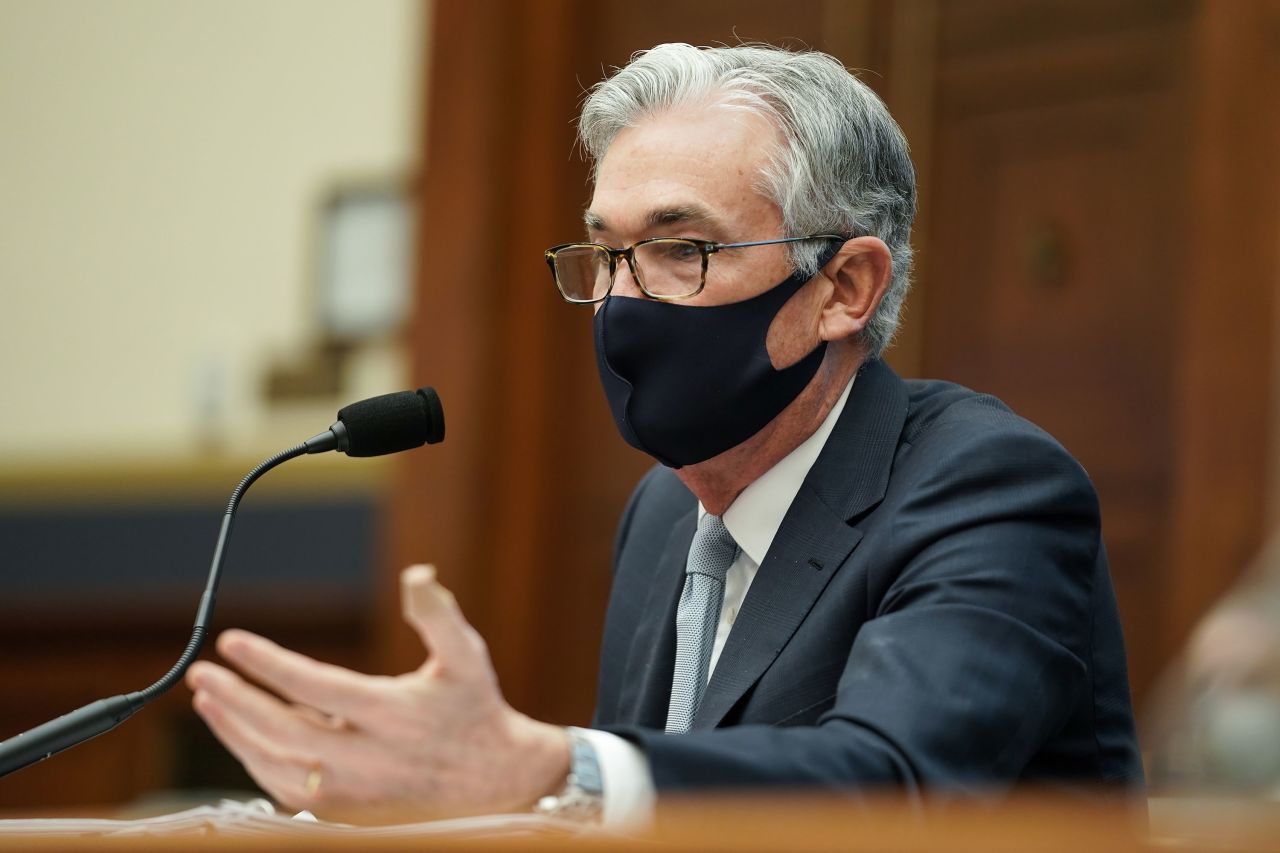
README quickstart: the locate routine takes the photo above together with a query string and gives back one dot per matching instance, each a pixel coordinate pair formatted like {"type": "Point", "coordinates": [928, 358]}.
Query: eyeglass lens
{"type": "Point", "coordinates": [582, 272]}
{"type": "Point", "coordinates": [666, 267]}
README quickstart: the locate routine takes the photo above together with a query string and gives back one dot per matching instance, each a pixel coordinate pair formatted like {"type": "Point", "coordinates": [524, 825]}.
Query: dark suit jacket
{"type": "Point", "coordinates": [935, 612]}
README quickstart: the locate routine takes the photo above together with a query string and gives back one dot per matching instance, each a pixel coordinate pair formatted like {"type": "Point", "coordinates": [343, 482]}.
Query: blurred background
{"type": "Point", "coordinates": [222, 221]}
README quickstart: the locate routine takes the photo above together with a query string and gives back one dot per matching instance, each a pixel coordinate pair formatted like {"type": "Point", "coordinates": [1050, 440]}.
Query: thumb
{"type": "Point", "coordinates": [433, 612]}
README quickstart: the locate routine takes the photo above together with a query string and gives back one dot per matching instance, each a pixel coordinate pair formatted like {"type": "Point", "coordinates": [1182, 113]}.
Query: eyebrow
{"type": "Point", "coordinates": [678, 215]}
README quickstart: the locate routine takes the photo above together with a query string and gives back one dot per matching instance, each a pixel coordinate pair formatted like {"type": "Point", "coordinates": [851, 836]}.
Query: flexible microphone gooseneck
{"type": "Point", "coordinates": [374, 427]}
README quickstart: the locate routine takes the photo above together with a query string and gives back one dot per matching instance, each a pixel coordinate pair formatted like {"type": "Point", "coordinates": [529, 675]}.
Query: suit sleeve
{"type": "Point", "coordinates": [980, 572]}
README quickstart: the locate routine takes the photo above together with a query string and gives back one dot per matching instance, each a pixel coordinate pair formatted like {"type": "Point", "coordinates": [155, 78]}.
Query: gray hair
{"type": "Point", "coordinates": [843, 167]}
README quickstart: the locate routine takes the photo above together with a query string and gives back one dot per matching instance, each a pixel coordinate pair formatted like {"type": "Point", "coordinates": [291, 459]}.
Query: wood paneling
{"type": "Point", "coordinates": [490, 504]}
{"type": "Point", "coordinates": [1225, 376]}
{"type": "Point", "coordinates": [1051, 291]}
{"type": "Point", "coordinates": [1088, 268]}
{"type": "Point", "coordinates": [56, 661]}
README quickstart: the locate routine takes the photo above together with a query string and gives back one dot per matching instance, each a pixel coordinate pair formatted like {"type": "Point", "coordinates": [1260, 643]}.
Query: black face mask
{"type": "Point", "coordinates": [686, 383]}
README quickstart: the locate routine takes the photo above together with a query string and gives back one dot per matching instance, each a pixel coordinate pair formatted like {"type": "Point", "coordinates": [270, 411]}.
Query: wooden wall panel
{"type": "Point", "coordinates": [1052, 292]}
{"type": "Point", "coordinates": [1105, 261]}
{"type": "Point", "coordinates": [500, 186]}
{"type": "Point", "coordinates": [57, 661]}
{"type": "Point", "coordinates": [1226, 331]}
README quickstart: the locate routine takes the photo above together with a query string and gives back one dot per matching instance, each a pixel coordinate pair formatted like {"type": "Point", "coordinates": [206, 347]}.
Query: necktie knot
{"type": "Point", "coordinates": [713, 549]}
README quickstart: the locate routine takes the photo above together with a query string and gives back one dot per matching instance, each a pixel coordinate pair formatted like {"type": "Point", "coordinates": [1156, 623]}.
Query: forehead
{"type": "Point", "coordinates": [706, 159]}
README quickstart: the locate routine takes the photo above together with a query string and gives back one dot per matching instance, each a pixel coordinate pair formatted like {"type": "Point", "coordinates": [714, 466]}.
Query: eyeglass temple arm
{"type": "Point", "coordinates": [715, 247]}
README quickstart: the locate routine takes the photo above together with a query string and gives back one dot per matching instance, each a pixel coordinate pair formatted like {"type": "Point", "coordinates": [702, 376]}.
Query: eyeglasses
{"type": "Point", "coordinates": [665, 268]}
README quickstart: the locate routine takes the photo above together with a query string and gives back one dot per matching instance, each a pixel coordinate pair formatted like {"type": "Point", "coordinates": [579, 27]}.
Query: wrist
{"type": "Point", "coordinates": [547, 760]}
{"type": "Point", "coordinates": [581, 796]}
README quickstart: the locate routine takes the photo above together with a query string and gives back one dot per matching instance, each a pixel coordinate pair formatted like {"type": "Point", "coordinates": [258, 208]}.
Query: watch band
{"type": "Point", "coordinates": [582, 797]}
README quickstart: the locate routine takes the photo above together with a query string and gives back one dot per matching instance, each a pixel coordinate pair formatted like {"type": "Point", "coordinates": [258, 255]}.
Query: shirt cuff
{"type": "Point", "coordinates": [626, 780]}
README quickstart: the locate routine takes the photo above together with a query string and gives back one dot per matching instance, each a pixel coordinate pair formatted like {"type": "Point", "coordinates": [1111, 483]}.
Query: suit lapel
{"type": "Point", "coordinates": [815, 539]}
{"type": "Point", "coordinates": [651, 660]}
{"type": "Point", "coordinates": [811, 544]}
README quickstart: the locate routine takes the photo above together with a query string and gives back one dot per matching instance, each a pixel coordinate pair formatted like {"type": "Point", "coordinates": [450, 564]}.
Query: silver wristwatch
{"type": "Point", "coordinates": [582, 797]}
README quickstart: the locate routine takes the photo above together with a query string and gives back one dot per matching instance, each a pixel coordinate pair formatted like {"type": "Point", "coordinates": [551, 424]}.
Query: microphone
{"type": "Point", "coordinates": [374, 427]}
{"type": "Point", "coordinates": [381, 425]}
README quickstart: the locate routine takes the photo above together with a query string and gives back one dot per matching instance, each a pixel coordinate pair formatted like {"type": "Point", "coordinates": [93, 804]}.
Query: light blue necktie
{"type": "Point", "coordinates": [697, 618]}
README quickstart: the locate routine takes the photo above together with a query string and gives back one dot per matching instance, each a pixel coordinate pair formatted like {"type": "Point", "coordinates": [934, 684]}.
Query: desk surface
{"type": "Point", "coordinates": [818, 824]}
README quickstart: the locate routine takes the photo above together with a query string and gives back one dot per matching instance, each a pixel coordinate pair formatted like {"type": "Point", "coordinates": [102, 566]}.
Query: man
{"type": "Point", "coordinates": [834, 578]}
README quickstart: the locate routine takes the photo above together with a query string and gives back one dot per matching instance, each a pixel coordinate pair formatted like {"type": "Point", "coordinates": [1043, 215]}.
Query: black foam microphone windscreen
{"type": "Point", "coordinates": [393, 422]}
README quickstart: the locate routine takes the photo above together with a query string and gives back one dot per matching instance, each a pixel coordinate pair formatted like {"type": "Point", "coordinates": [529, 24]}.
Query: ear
{"type": "Point", "coordinates": [859, 275]}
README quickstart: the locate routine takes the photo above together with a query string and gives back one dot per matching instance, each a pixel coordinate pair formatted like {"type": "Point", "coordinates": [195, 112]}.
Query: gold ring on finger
{"type": "Point", "coordinates": [313, 781]}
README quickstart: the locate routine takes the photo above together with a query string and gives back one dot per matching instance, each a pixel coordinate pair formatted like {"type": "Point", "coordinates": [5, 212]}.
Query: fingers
{"type": "Point", "coordinates": [259, 711]}
{"type": "Point", "coordinates": [321, 719]}
{"type": "Point", "coordinates": [329, 688]}
{"type": "Point", "coordinates": [280, 771]}
{"type": "Point", "coordinates": [432, 611]}
{"type": "Point", "coordinates": [440, 737]}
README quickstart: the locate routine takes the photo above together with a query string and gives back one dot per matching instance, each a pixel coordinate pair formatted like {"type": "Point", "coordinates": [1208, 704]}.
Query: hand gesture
{"type": "Point", "coordinates": [439, 740]}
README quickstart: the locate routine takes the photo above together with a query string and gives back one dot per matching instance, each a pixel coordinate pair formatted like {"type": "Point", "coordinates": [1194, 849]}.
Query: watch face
{"type": "Point", "coordinates": [585, 769]}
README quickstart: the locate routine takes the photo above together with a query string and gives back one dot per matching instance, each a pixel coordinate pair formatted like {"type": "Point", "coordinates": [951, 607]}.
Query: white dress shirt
{"type": "Point", "coordinates": [753, 520]}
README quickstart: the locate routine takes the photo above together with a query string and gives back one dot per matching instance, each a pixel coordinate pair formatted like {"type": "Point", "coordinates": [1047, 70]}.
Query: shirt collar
{"type": "Point", "coordinates": [755, 515]}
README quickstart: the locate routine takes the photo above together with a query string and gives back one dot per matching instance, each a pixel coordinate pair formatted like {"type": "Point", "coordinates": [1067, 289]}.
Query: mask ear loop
{"type": "Point", "coordinates": [821, 262]}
